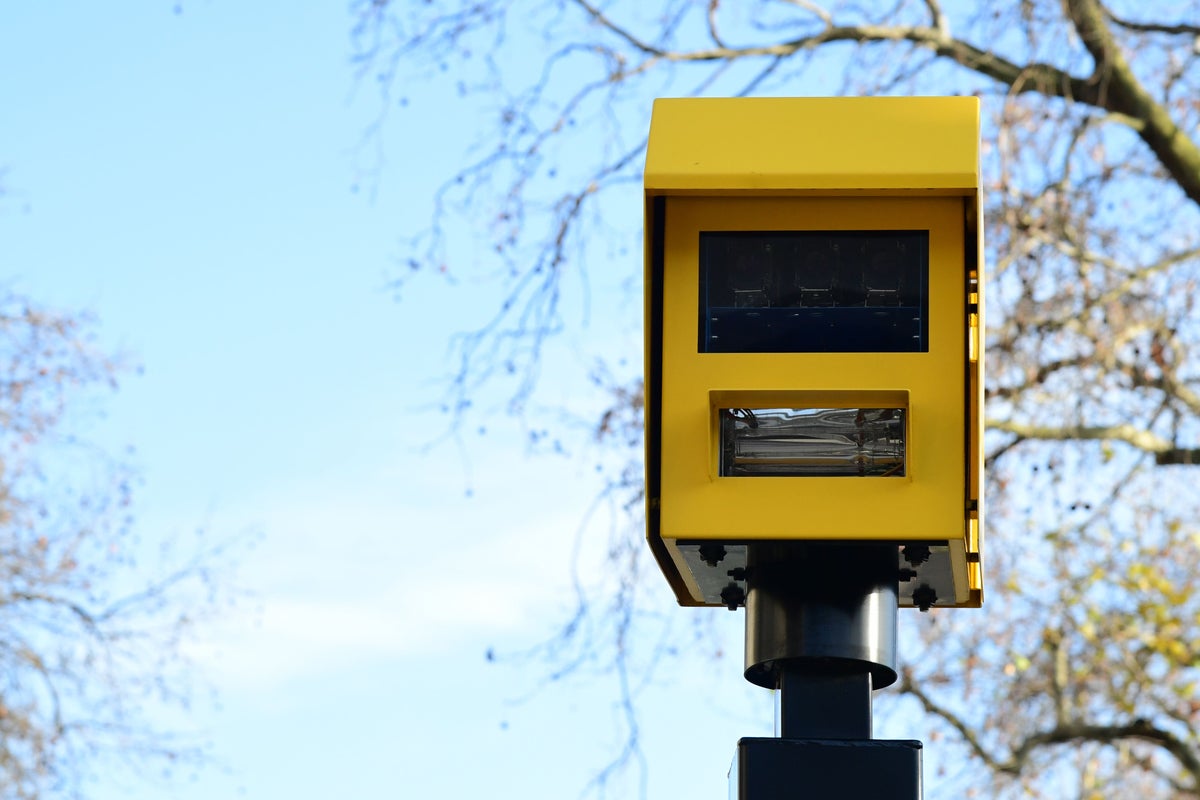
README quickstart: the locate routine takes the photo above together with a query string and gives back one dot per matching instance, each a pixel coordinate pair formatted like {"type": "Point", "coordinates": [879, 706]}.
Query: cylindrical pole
{"type": "Point", "coordinates": [821, 629]}
{"type": "Point", "coordinates": [822, 609]}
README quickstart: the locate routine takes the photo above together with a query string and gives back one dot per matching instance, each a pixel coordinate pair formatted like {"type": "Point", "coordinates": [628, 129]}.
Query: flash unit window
{"type": "Point", "coordinates": [814, 442]}
{"type": "Point", "coordinates": [814, 291]}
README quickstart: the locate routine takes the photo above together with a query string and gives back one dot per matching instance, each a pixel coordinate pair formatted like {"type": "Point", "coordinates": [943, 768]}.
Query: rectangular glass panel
{"type": "Point", "coordinates": [814, 291]}
{"type": "Point", "coordinates": [815, 442]}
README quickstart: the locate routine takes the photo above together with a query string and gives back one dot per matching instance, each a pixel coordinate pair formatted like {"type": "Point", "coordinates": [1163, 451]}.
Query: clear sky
{"type": "Point", "coordinates": [193, 179]}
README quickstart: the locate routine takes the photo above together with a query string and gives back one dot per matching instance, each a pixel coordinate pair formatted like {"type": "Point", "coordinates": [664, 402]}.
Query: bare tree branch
{"type": "Point", "coordinates": [1123, 432]}
{"type": "Point", "coordinates": [1178, 29]}
{"type": "Point", "coordinates": [1085, 669]}
{"type": "Point", "coordinates": [1115, 88]}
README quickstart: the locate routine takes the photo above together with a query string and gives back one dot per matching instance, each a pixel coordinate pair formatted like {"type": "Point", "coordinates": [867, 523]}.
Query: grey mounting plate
{"type": "Point", "coordinates": [715, 567]}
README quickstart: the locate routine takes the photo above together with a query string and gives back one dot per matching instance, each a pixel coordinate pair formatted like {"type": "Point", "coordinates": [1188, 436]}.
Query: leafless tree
{"type": "Point", "coordinates": [1080, 677]}
{"type": "Point", "coordinates": [91, 618]}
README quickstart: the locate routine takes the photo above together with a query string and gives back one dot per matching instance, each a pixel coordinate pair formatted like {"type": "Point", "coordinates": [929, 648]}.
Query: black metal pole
{"type": "Point", "coordinates": [821, 630]}
{"type": "Point", "coordinates": [823, 705]}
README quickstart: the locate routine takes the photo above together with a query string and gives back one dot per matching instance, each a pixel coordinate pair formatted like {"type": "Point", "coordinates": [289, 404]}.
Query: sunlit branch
{"type": "Point", "coordinates": [818, 11]}
{"type": "Point", "coordinates": [1138, 729]}
{"type": "Point", "coordinates": [712, 23]}
{"type": "Point", "coordinates": [1125, 432]}
{"type": "Point", "coordinates": [1062, 733]}
{"type": "Point", "coordinates": [1112, 87]}
{"type": "Point", "coordinates": [1117, 88]}
{"type": "Point", "coordinates": [940, 22]}
{"type": "Point", "coordinates": [1042, 78]}
{"type": "Point", "coordinates": [1092, 267]}
{"type": "Point", "coordinates": [969, 735]}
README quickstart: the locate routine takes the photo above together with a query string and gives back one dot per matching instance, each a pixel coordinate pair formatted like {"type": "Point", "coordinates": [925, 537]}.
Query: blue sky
{"type": "Point", "coordinates": [193, 179]}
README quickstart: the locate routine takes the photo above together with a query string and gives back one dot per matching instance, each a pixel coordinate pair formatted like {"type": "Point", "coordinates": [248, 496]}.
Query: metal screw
{"type": "Point", "coordinates": [916, 554]}
{"type": "Point", "coordinates": [923, 597]}
{"type": "Point", "coordinates": [733, 596]}
{"type": "Point", "coordinates": [712, 554]}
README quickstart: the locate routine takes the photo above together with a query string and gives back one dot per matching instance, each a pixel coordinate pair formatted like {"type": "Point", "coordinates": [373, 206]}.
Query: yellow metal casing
{"type": "Point", "coordinates": [827, 165]}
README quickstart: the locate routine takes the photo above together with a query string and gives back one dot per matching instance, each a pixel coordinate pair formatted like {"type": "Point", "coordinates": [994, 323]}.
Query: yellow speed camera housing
{"type": "Point", "coordinates": [813, 356]}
